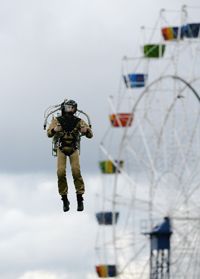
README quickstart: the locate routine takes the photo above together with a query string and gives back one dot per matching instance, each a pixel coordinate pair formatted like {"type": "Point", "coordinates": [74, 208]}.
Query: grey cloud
{"type": "Point", "coordinates": [37, 235]}
{"type": "Point", "coordinates": [52, 51]}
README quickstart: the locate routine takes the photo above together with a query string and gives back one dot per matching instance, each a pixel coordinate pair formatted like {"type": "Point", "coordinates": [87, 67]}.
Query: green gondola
{"type": "Point", "coordinates": [154, 50]}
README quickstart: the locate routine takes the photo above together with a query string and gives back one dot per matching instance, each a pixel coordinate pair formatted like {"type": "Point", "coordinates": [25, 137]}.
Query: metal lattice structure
{"type": "Point", "coordinates": [150, 160]}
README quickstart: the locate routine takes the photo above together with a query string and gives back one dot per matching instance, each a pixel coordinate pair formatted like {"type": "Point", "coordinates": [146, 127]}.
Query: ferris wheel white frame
{"type": "Point", "coordinates": [107, 154]}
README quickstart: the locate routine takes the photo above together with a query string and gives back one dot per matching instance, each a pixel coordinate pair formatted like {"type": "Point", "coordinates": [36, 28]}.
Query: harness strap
{"type": "Point", "coordinates": [73, 131]}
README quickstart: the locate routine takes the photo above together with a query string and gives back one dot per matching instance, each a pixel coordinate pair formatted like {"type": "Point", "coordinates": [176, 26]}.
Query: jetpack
{"type": "Point", "coordinates": [55, 111]}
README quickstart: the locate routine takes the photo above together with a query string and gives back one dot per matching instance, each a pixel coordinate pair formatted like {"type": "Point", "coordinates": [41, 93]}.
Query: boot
{"type": "Point", "coordinates": [65, 203]}
{"type": "Point", "coordinates": [80, 206]}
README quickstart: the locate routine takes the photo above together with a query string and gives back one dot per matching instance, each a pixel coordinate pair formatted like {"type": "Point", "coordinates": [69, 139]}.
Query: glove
{"type": "Point", "coordinates": [57, 129]}
{"type": "Point", "coordinates": [83, 130]}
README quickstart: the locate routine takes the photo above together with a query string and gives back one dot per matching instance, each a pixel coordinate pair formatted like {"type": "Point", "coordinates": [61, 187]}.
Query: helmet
{"type": "Point", "coordinates": [69, 106]}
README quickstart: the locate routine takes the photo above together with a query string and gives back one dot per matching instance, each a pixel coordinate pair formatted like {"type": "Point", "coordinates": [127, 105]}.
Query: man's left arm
{"type": "Point", "coordinates": [85, 129]}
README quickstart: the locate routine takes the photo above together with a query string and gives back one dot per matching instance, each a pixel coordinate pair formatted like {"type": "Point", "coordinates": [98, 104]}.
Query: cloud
{"type": "Point", "coordinates": [49, 275]}
{"type": "Point", "coordinates": [42, 275]}
{"type": "Point", "coordinates": [36, 236]}
{"type": "Point", "coordinates": [50, 52]}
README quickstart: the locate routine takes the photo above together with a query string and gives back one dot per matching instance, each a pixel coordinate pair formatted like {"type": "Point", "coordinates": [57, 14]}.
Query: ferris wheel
{"type": "Point", "coordinates": [149, 213]}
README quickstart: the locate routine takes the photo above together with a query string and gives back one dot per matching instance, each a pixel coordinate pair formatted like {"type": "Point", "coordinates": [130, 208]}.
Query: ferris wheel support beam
{"type": "Point", "coordinates": [159, 79]}
{"type": "Point", "coordinates": [187, 84]}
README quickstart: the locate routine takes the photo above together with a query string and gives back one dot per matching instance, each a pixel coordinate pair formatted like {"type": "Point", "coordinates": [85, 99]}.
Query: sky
{"type": "Point", "coordinates": [49, 51]}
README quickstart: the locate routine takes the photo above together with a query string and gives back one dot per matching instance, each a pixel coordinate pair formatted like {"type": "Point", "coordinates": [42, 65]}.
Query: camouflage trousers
{"type": "Point", "coordinates": [75, 169]}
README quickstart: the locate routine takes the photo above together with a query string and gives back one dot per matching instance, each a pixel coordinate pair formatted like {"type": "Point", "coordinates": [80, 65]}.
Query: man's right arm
{"type": "Point", "coordinates": [50, 131]}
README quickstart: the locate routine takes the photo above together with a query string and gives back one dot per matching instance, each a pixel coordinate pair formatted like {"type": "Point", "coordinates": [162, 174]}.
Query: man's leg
{"type": "Point", "coordinates": [78, 180]}
{"type": "Point", "coordinates": [76, 172]}
{"type": "Point", "coordinates": [62, 181]}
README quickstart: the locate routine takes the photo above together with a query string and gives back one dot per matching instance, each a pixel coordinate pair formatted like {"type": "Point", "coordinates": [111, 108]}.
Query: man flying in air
{"type": "Point", "coordinates": [67, 129]}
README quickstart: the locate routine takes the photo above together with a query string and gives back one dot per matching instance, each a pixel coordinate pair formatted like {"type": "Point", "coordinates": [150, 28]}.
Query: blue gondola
{"type": "Point", "coordinates": [191, 30]}
{"type": "Point", "coordinates": [107, 217]}
{"type": "Point", "coordinates": [135, 80]}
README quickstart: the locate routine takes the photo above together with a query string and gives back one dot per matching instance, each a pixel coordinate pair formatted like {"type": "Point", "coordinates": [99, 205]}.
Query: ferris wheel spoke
{"type": "Point", "coordinates": [133, 258]}
{"type": "Point", "coordinates": [193, 263]}
{"type": "Point", "coordinates": [187, 196]}
{"type": "Point", "coordinates": [147, 150]}
{"type": "Point", "coordinates": [182, 257]}
{"type": "Point", "coordinates": [183, 155]}
{"type": "Point", "coordinates": [140, 161]}
{"type": "Point", "coordinates": [196, 259]}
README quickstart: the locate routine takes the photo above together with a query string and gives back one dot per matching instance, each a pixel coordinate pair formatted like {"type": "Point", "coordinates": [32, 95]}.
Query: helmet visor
{"type": "Point", "coordinates": [69, 108]}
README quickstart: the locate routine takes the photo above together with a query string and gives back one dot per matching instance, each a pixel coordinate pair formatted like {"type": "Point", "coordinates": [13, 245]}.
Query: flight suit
{"type": "Point", "coordinates": [69, 147]}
